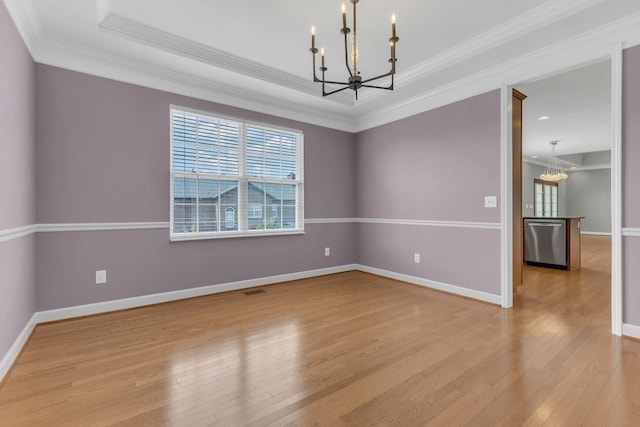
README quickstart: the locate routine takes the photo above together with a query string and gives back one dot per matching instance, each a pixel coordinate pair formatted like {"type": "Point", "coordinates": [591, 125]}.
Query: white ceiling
{"type": "Point", "coordinates": [255, 53]}
{"type": "Point", "coordinates": [578, 103]}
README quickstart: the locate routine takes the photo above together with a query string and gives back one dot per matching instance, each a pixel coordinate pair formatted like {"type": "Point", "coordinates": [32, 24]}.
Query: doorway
{"type": "Point", "coordinates": [586, 162]}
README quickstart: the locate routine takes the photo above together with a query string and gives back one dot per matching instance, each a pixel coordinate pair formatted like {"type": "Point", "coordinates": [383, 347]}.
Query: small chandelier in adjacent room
{"type": "Point", "coordinates": [355, 80]}
{"type": "Point", "coordinates": [554, 171]}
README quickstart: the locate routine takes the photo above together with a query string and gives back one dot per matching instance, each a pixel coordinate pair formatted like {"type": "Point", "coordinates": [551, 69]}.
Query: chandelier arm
{"type": "Point", "coordinates": [331, 82]}
{"type": "Point", "coordinates": [390, 87]}
{"type": "Point", "coordinates": [333, 91]}
{"type": "Point", "coordinates": [393, 60]}
{"type": "Point", "coordinates": [346, 51]}
{"type": "Point", "coordinates": [390, 73]}
{"type": "Point", "coordinates": [392, 42]}
{"type": "Point", "coordinates": [315, 77]}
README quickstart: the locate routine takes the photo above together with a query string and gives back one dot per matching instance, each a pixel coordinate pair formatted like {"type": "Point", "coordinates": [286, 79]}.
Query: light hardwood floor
{"type": "Point", "coordinates": [347, 349]}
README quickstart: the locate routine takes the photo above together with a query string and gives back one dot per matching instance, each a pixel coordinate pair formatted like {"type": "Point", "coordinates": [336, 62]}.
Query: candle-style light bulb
{"type": "Point", "coordinates": [344, 16]}
{"type": "Point", "coordinates": [313, 37]}
{"type": "Point", "coordinates": [393, 25]}
{"type": "Point", "coordinates": [322, 53]}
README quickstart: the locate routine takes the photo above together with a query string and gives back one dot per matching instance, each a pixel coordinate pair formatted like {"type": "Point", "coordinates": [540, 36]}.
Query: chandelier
{"type": "Point", "coordinates": [355, 80]}
{"type": "Point", "coordinates": [554, 171]}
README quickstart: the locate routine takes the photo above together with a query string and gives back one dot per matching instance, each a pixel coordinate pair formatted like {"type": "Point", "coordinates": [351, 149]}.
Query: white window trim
{"type": "Point", "coordinates": [242, 179]}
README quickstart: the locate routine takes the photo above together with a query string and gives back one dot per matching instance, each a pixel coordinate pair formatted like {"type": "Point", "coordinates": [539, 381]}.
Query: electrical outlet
{"type": "Point", "coordinates": [101, 276]}
{"type": "Point", "coordinates": [327, 251]}
{"type": "Point", "coordinates": [490, 201]}
{"type": "Point", "coordinates": [416, 258]}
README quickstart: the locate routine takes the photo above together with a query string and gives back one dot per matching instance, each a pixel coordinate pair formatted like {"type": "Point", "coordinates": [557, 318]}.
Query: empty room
{"type": "Point", "coordinates": [319, 214]}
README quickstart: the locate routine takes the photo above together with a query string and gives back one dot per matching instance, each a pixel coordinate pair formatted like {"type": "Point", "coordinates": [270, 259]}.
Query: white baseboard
{"type": "Point", "coordinates": [104, 307]}
{"type": "Point", "coordinates": [595, 233]}
{"type": "Point", "coordinates": [121, 304]}
{"type": "Point", "coordinates": [16, 348]}
{"type": "Point", "coordinates": [9, 358]}
{"type": "Point", "coordinates": [452, 289]}
{"type": "Point", "coordinates": [632, 331]}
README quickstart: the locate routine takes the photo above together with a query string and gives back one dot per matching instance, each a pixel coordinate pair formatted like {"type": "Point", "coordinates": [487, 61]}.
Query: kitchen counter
{"type": "Point", "coordinates": [553, 217]}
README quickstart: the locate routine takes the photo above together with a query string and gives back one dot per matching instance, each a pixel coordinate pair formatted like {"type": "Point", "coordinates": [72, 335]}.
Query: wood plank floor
{"type": "Point", "coordinates": [349, 349]}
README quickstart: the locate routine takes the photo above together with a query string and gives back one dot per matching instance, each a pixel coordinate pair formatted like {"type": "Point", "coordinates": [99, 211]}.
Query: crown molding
{"type": "Point", "coordinates": [545, 163]}
{"type": "Point", "coordinates": [589, 46]}
{"type": "Point", "coordinates": [590, 168]}
{"type": "Point", "coordinates": [530, 21]}
{"type": "Point", "coordinates": [523, 24]}
{"type": "Point", "coordinates": [78, 58]}
{"type": "Point", "coordinates": [586, 47]}
{"type": "Point", "coordinates": [26, 20]}
{"type": "Point", "coordinates": [167, 42]}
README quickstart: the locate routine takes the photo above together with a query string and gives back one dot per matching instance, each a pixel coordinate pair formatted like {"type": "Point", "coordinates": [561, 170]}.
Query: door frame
{"type": "Point", "coordinates": [614, 54]}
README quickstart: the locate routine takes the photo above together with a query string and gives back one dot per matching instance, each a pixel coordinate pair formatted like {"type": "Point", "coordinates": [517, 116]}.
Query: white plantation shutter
{"type": "Point", "coordinates": [232, 178]}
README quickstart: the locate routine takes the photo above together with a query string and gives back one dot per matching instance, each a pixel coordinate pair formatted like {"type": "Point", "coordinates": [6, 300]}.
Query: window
{"type": "Point", "coordinates": [545, 199]}
{"type": "Point", "coordinates": [230, 178]}
{"type": "Point", "coordinates": [255, 210]}
{"type": "Point", "coordinates": [230, 219]}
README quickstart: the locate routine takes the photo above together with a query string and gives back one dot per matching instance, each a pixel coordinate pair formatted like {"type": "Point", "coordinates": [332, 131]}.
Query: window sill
{"type": "Point", "coordinates": [182, 237]}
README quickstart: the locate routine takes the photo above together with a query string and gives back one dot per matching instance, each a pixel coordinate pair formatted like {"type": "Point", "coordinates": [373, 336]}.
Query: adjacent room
{"type": "Point", "coordinates": [566, 180]}
{"type": "Point", "coordinates": [296, 214]}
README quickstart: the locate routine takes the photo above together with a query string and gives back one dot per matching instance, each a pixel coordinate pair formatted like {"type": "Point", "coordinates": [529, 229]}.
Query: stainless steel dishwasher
{"type": "Point", "coordinates": [545, 241]}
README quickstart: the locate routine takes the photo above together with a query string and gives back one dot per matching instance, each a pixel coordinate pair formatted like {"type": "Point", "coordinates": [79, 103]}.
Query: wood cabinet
{"type": "Point", "coordinates": [516, 180]}
{"type": "Point", "coordinates": [573, 243]}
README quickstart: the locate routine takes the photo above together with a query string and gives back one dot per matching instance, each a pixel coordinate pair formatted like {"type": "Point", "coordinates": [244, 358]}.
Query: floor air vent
{"type": "Point", "coordinates": [257, 291]}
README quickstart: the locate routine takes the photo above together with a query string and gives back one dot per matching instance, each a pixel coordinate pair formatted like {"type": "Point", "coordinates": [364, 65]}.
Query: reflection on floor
{"type": "Point", "coordinates": [587, 290]}
{"type": "Point", "coordinates": [350, 349]}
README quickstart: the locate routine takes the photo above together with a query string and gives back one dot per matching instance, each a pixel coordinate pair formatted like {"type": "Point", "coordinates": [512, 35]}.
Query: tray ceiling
{"type": "Point", "coordinates": [255, 54]}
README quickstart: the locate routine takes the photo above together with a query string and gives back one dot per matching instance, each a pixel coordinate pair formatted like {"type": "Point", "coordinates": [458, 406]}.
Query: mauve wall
{"type": "Point", "coordinates": [435, 166]}
{"type": "Point", "coordinates": [17, 182]}
{"type": "Point", "coordinates": [103, 156]}
{"type": "Point", "coordinates": [631, 183]}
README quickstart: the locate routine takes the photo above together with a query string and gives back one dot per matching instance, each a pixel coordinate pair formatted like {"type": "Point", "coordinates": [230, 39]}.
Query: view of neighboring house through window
{"type": "Point", "coordinates": [545, 198]}
{"type": "Point", "coordinates": [230, 178]}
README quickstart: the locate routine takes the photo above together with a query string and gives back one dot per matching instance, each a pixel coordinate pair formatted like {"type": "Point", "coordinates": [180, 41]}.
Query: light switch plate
{"type": "Point", "coordinates": [490, 201]}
